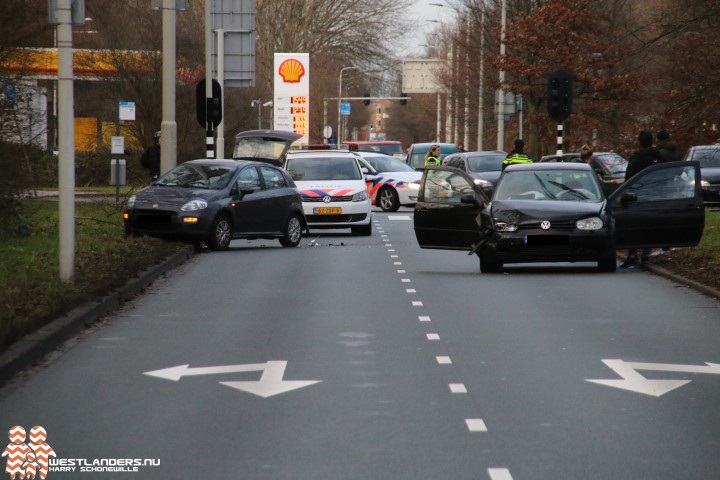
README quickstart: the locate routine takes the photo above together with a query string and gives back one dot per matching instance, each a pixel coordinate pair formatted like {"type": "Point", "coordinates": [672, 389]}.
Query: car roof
{"type": "Point", "coordinates": [428, 144]}
{"type": "Point", "coordinates": [539, 166]}
{"type": "Point", "coordinates": [372, 142]}
{"type": "Point", "coordinates": [321, 153]}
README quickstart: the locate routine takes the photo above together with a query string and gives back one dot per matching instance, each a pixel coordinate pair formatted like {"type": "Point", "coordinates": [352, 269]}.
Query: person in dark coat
{"type": "Point", "coordinates": [150, 158]}
{"type": "Point", "coordinates": [667, 146]}
{"type": "Point", "coordinates": [645, 157]}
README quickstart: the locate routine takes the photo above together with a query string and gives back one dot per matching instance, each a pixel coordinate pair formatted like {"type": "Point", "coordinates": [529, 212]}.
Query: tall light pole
{"type": "Point", "coordinates": [501, 96]}
{"type": "Point", "coordinates": [481, 93]}
{"type": "Point", "coordinates": [168, 126]}
{"type": "Point", "coordinates": [339, 133]}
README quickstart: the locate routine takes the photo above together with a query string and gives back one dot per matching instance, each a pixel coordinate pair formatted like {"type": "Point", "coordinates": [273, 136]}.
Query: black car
{"type": "Point", "coordinates": [557, 212]}
{"type": "Point", "coordinates": [709, 158]}
{"type": "Point", "coordinates": [215, 201]}
{"type": "Point", "coordinates": [609, 167]}
{"type": "Point", "coordinates": [484, 167]}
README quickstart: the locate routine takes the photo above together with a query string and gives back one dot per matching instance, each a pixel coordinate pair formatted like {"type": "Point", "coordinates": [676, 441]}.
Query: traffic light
{"type": "Point", "coordinates": [403, 100]}
{"type": "Point", "coordinates": [212, 105]}
{"type": "Point", "coordinates": [367, 102]}
{"type": "Point", "coordinates": [560, 94]}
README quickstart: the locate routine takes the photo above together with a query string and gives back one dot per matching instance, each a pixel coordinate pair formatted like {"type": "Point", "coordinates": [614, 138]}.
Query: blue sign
{"type": "Point", "coordinates": [345, 108]}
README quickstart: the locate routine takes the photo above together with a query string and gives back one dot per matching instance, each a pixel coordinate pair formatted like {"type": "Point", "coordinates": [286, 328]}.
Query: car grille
{"type": "Point", "coordinates": [555, 226]}
{"type": "Point", "coordinates": [344, 198]}
{"type": "Point", "coordinates": [357, 217]}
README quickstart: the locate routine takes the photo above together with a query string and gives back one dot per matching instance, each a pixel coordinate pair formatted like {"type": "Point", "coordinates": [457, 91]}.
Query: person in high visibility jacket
{"type": "Point", "coordinates": [433, 156]}
{"type": "Point", "coordinates": [517, 155]}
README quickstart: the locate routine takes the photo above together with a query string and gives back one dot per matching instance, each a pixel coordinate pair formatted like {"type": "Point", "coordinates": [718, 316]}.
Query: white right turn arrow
{"type": "Point", "coordinates": [633, 381]}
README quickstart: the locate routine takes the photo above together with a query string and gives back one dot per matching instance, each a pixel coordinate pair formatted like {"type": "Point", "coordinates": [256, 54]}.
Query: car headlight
{"type": "Point", "coordinates": [592, 223]}
{"type": "Point", "coordinates": [505, 227]}
{"type": "Point", "coordinates": [360, 196]}
{"type": "Point", "coordinates": [131, 201]}
{"type": "Point", "coordinates": [196, 204]}
{"type": "Point", "coordinates": [704, 183]}
{"type": "Point", "coordinates": [482, 183]}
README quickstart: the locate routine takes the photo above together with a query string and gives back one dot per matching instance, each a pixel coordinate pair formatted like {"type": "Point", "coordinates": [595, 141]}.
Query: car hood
{"type": "Point", "coordinates": [407, 177]}
{"type": "Point", "coordinates": [269, 146]}
{"type": "Point", "coordinates": [334, 188]}
{"type": "Point", "coordinates": [711, 174]}
{"type": "Point", "coordinates": [171, 198]}
{"type": "Point", "coordinates": [521, 211]}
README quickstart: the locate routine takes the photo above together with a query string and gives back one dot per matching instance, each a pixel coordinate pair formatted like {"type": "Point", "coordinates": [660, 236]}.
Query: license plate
{"type": "Point", "coordinates": [327, 210]}
{"type": "Point", "coordinates": [547, 240]}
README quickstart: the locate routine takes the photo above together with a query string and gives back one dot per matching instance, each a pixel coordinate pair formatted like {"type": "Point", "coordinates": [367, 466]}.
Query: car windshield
{"type": "Point", "coordinates": [212, 177]}
{"type": "Point", "coordinates": [612, 162]}
{"type": "Point", "coordinates": [708, 157]}
{"type": "Point", "coordinates": [388, 164]}
{"type": "Point", "coordinates": [485, 163]}
{"type": "Point", "coordinates": [563, 185]}
{"type": "Point", "coordinates": [386, 148]}
{"type": "Point", "coordinates": [325, 168]}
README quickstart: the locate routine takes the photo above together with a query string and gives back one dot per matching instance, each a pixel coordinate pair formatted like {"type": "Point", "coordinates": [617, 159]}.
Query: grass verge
{"type": "Point", "coordinates": [33, 293]}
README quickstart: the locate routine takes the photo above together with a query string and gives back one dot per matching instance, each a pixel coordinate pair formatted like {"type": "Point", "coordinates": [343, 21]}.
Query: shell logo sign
{"type": "Point", "coordinates": [291, 103]}
{"type": "Point", "coordinates": [291, 70]}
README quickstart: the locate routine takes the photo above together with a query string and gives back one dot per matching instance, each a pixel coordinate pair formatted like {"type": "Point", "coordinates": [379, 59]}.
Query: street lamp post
{"type": "Point", "coordinates": [339, 133]}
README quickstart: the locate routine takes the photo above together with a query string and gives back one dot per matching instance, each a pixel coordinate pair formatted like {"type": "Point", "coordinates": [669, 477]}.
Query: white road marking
{"type": "Point", "coordinates": [401, 271]}
{"type": "Point", "coordinates": [443, 360]}
{"type": "Point", "coordinates": [398, 217]}
{"type": "Point", "coordinates": [410, 290]}
{"type": "Point", "coordinates": [405, 280]}
{"type": "Point", "coordinates": [397, 263]}
{"type": "Point", "coordinates": [394, 256]}
{"type": "Point", "coordinates": [476, 425]}
{"type": "Point", "coordinates": [499, 474]}
{"type": "Point", "coordinates": [424, 318]}
{"type": "Point", "coordinates": [433, 336]}
{"type": "Point", "coordinates": [458, 388]}
{"type": "Point", "coordinates": [391, 249]}
{"type": "Point", "coordinates": [417, 304]}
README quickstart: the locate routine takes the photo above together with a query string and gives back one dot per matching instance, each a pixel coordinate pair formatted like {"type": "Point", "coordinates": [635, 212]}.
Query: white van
{"type": "Point", "coordinates": [333, 189]}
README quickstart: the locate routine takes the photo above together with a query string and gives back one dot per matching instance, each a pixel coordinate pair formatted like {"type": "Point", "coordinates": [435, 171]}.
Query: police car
{"type": "Point", "coordinates": [395, 183]}
{"type": "Point", "coordinates": [333, 189]}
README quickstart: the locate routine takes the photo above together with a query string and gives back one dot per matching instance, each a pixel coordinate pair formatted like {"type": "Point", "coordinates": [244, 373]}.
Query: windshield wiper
{"type": "Point", "coordinates": [544, 187]}
{"type": "Point", "coordinates": [569, 189]}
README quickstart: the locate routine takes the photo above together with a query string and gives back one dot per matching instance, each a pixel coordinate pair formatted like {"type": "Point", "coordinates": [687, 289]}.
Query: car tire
{"type": "Point", "coordinates": [488, 263]}
{"type": "Point", "coordinates": [220, 233]}
{"type": "Point", "coordinates": [362, 230]}
{"type": "Point", "coordinates": [292, 232]}
{"type": "Point", "coordinates": [608, 262]}
{"type": "Point", "coordinates": [388, 200]}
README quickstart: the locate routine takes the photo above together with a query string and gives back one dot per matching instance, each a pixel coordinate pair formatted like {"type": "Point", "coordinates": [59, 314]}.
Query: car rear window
{"type": "Point", "coordinates": [212, 177]}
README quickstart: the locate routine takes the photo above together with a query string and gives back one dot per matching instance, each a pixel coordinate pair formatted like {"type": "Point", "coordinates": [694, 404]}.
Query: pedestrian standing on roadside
{"type": "Point", "coordinates": [667, 146]}
{"type": "Point", "coordinates": [517, 155]}
{"type": "Point", "coordinates": [433, 156]}
{"type": "Point", "coordinates": [645, 157]}
{"type": "Point", "coordinates": [151, 157]}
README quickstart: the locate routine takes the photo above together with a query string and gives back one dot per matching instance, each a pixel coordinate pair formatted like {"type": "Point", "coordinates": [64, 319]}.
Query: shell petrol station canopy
{"type": "Point", "coordinates": [42, 63]}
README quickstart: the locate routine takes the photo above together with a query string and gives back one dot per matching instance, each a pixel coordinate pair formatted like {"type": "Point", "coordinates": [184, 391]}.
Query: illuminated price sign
{"type": "Point", "coordinates": [299, 110]}
{"type": "Point", "coordinates": [298, 99]}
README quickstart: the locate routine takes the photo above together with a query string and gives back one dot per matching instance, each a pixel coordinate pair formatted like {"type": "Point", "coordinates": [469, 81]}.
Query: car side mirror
{"type": "Point", "coordinates": [628, 198]}
{"type": "Point", "coordinates": [370, 178]}
{"type": "Point", "coordinates": [469, 198]}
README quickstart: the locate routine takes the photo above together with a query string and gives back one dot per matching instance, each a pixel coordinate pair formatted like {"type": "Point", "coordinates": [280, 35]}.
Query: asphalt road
{"type": "Point", "coordinates": [366, 357]}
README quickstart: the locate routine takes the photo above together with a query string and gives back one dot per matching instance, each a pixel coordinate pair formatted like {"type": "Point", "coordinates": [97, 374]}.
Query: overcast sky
{"type": "Point", "coordinates": [421, 15]}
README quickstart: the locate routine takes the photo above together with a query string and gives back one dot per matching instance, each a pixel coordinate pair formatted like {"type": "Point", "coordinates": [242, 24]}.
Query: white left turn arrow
{"type": "Point", "coordinates": [634, 382]}
{"type": "Point", "coordinates": [271, 382]}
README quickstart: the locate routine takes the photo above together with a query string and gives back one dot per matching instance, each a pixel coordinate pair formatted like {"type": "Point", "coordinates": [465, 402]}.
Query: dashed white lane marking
{"type": "Point", "coordinates": [499, 474]}
{"type": "Point", "coordinates": [424, 318]}
{"type": "Point", "coordinates": [476, 425]}
{"type": "Point", "coordinates": [397, 263]}
{"type": "Point", "coordinates": [401, 271]}
{"type": "Point", "coordinates": [443, 360]}
{"type": "Point", "coordinates": [405, 280]}
{"type": "Point", "coordinates": [391, 249]}
{"type": "Point", "coordinates": [433, 336]}
{"type": "Point", "coordinates": [394, 256]}
{"type": "Point", "coordinates": [417, 304]}
{"type": "Point", "coordinates": [410, 290]}
{"type": "Point", "coordinates": [458, 388]}
{"type": "Point", "coordinates": [398, 217]}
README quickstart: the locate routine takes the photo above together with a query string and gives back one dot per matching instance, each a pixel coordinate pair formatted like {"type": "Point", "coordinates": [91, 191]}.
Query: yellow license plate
{"type": "Point", "coordinates": [327, 210]}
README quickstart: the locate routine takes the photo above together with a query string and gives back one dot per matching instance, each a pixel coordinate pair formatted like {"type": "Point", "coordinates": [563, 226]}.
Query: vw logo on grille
{"type": "Point", "coordinates": [545, 225]}
{"type": "Point", "coordinates": [155, 205]}
{"type": "Point", "coordinates": [327, 199]}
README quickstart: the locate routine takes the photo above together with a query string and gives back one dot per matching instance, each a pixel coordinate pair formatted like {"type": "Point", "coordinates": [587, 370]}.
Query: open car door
{"type": "Point", "coordinates": [661, 206]}
{"type": "Point", "coordinates": [448, 208]}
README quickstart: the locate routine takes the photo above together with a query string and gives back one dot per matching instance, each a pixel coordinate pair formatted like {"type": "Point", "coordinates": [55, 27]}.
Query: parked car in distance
{"type": "Point", "coordinates": [557, 212]}
{"type": "Point", "coordinates": [394, 183]}
{"type": "Point", "coordinates": [709, 158]}
{"type": "Point", "coordinates": [268, 146]}
{"type": "Point", "coordinates": [388, 147]}
{"type": "Point", "coordinates": [333, 189]}
{"type": "Point", "coordinates": [609, 167]}
{"type": "Point", "coordinates": [485, 167]}
{"type": "Point", "coordinates": [417, 152]}
{"type": "Point", "coordinates": [216, 201]}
